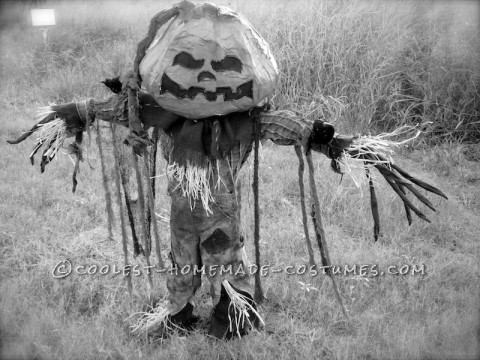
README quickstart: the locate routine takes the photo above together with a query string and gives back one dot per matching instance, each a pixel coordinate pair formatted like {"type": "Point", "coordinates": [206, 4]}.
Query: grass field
{"type": "Point", "coordinates": [364, 66]}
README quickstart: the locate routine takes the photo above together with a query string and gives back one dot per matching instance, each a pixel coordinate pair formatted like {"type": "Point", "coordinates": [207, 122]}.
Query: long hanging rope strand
{"type": "Point", "coordinates": [132, 88]}
{"type": "Point", "coordinates": [141, 210]}
{"type": "Point", "coordinates": [374, 204]}
{"type": "Point", "coordinates": [121, 208]}
{"type": "Point", "coordinates": [151, 203]}
{"type": "Point", "coordinates": [77, 148]}
{"type": "Point", "coordinates": [320, 232]}
{"type": "Point", "coordinates": [259, 296]}
{"type": "Point", "coordinates": [152, 170]}
{"type": "Point", "coordinates": [106, 188]}
{"type": "Point", "coordinates": [137, 247]}
{"type": "Point", "coordinates": [301, 170]}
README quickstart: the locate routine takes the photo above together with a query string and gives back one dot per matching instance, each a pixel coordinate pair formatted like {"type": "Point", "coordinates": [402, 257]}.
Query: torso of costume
{"type": "Point", "coordinates": [222, 144]}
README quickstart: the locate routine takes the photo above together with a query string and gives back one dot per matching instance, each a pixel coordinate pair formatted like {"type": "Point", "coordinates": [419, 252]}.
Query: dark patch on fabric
{"type": "Point", "coordinates": [217, 243]}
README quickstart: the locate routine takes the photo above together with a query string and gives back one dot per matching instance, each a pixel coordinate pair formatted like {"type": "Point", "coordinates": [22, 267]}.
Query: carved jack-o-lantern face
{"type": "Point", "coordinates": [208, 61]}
{"type": "Point", "coordinates": [205, 78]}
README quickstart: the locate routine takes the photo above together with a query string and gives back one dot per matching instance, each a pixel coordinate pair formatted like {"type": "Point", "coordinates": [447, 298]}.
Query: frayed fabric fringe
{"type": "Point", "coordinates": [53, 134]}
{"type": "Point", "coordinates": [377, 148]}
{"type": "Point", "coordinates": [196, 182]}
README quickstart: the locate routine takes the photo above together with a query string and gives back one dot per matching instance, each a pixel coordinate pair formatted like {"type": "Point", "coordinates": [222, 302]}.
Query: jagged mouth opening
{"type": "Point", "coordinates": [168, 85]}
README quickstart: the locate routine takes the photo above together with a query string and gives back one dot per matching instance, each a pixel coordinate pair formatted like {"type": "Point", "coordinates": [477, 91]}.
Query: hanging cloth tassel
{"type": "Point", "coordinates": [108, 194]}
{"type": "Point", "coordinates": [151, 170]}
{"type": "Point", "coordinates": [374, 205]}
{"type": "Point", "coordinates": [259, 296]}
{"type": "Point", "coordinates": [141, 210]}
{"type": "Point", "coordinates": [151, 208]}
{"type": "Point", "coordinates": [301, 170]}
{"type": "Point", "coordinates": [320, 232]}
{"type": "Point", "coordinates": [122, 209]}
{"type": "Point", "coordinates": [76, 148]}
{"type": "Point", "coordinates": [137, 247]}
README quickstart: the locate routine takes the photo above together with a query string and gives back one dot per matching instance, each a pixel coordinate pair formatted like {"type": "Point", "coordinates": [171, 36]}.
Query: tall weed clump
{"type": "Point", "coordinates": [371, 66]}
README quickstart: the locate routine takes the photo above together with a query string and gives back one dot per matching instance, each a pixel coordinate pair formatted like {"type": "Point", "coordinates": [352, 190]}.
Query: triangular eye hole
{"type": "Point", "coordinates": [186, 60]}
{"type": "Point", "coordinates": [227, 63]}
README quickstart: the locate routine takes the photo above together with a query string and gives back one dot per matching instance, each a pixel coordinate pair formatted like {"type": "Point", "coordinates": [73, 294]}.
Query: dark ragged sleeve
{"type": "Point", "coordinates": [114, 109]}
{"type": "Point", "coordinates": [285, 128]}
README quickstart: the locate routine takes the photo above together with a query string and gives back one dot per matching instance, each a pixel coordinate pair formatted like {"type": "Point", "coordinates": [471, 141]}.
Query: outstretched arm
{"type": "Point", "coordinates": [73, 119]}
{"type": "Point", "coordinates": [114, 109]}
{"type": "Point", "coordinates": [284, 127]}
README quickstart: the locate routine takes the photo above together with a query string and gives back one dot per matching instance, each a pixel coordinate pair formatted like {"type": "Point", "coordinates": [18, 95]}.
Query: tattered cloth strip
{"type": "Point", "coordinates": [374, 205]}
{"type": "Point", "coordinates": [259, 296]}
{"type": "Point", "coordinates": [141, 210]}
{"type": "Point", "coordinates": [74, 120]}
{"type": "Point", "coordinates": [56, 123]}
{"type": "Point", "coordinates": [377, 149]}
{"type": "Point", "coordinates": [76, 148]}
{"type": "Point", "coordinates": [197, 146]}
{"type": "Point", "coordinates": [151, 165]}
{"type": "Point", "coordinates": [106, 188]}
{"type": "Point", "coordinates": [301, 170]}
{"type": "Point", "coordinates": [320, 231]}
{"type": "Point", "coordinates": [123, 224]}
{"type": "Point", "coordinates": [151, 207]}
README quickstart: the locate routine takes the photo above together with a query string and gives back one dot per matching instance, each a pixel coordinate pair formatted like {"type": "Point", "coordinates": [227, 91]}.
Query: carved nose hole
{"type": "Point", "coordinates": [205, 76]}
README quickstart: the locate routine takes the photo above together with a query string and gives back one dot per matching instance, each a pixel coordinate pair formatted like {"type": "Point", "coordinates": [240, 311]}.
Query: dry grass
{"type": "Point", "coordinates": [353, 62]}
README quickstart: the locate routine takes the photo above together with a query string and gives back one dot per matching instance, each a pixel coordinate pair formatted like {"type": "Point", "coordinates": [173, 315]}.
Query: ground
{"type": "Point", "coordinates": [430, 314]}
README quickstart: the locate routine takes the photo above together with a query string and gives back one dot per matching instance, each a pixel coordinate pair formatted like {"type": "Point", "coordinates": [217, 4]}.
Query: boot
{"type": "Point", "coordinates": [184, 321]}
{"type": "Point", "coordinates": [184, 318]}
{"type": "Point", "coordinates": [220, 322]}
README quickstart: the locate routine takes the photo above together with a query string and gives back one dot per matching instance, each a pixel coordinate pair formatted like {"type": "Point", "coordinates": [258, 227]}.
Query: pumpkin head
{"type": "Point", "coordinates": [207, 61]}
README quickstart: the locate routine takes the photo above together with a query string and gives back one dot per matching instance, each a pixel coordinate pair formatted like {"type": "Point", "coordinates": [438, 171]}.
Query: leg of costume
{"type": "Point", "coordinates": [183, 281]}
{"type": "Point", "coordinates": [221, 245]}
{"type": "Point", "coordinates": [222, 249]}
{"type": "Point", "coordinates": [212, 240]}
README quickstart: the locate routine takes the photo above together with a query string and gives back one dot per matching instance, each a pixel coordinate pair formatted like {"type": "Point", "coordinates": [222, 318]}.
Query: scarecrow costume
{"type": "Point", "coordinates": [205, 221]}
{"type": "Point", "coordinates": [202, 80]}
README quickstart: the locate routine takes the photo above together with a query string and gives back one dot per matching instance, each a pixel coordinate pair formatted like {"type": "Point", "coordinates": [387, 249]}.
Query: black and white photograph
{"type": "Point", "coordinates": [240, 179]}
